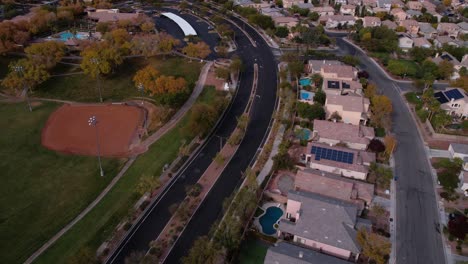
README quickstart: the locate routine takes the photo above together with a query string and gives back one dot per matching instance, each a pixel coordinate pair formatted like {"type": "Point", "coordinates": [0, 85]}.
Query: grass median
{"type": "Point", "coordinates": [99, 224]}
{"type": "Point", "coordinates": [41, 190]}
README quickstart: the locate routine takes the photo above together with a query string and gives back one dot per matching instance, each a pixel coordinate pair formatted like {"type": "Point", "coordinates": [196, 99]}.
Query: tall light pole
{"type": "Point", "coordinates": [93, 122]}
{"type": "Point", "coordinates": [141, 88]}
{"type": "Point", "coordinates": [20, 71]}
{"type": "Point", "coordinates": [96, 62]}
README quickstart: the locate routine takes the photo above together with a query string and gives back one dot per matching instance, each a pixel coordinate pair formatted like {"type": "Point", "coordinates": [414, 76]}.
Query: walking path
{"type": "Point", "coordinates": [150, 140]}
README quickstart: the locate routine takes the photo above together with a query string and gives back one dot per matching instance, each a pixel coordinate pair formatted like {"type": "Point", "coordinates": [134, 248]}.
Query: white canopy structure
{"type": "Point", "coordinates": [182, 23]}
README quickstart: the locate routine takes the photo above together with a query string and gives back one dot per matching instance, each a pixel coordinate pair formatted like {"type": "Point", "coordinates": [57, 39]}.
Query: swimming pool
{"type": "Point", "coordinates": [304, 81]}
{"type": "Point", "coordinates": [64, 36]}
{"type": "Point", "coordinates": [306, 95]}
{"type": "Point", "coordinates": [269, 219]}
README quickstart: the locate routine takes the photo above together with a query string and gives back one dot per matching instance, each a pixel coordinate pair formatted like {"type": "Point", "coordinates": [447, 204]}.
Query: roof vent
{"type": "Point", "coordinates": [301, 254]}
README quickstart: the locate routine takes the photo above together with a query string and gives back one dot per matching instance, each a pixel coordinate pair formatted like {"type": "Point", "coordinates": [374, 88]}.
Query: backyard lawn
{"type": "Point", "coordinates": [117, 86]}
{"type": "Point", "coordinates": [99, 224]}
{"type": "Point", "coordinates": [402, 67]}
{"type": "Point", "coordinates": [252, 251]}
{"type": "Point", "coordinates": [41, 189]}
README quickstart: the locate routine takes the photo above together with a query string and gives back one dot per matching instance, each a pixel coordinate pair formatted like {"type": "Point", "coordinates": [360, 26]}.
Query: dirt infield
{"type": "Point", "coordinates": [119, 127]}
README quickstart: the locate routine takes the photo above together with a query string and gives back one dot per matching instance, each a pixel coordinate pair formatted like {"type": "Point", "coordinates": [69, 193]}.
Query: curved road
{"type": "Point", "coordinates": [157, 216]}
{"type": "Point", "coordinates": [417, 240]}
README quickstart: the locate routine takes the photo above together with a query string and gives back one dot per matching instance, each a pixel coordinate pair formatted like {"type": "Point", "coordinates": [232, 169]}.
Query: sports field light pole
{"type": "Point", "coordinates": [93, 122]}
{"type": "Point", "coordinates": [141, 88]}
{"type": "Point", "coordinates": [96, 62]}
{"type": "Point", "coordinates": [20, 71]}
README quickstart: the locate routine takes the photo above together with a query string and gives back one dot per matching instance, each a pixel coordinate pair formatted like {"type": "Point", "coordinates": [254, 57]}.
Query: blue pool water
{"type": "Point", "coordinates": [304, 82]}
{"type": "Point", "coordinates": [304, 134]}
{"type": "Point", "coordinates": [64, 36]}
{"type": "Point", "coordinates": [267, 221]}
{"type": "Point", "coordinates": [306, 95]}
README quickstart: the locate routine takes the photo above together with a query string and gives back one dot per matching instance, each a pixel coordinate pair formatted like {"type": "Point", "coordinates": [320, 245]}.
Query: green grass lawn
{"type": "Point", "coordinates": [41, 189]}
{"type": "Point", "coordinates": [117, 86]}
{"type": "Point", "coordinates": [252, 251]}
{"type": "Point", "coordinates": [99, 224]}
{"type": "Point", "coordinates": [402, 67]}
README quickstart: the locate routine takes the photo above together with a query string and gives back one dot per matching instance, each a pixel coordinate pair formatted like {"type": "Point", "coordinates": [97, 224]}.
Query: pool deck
{"type": "Point", "coordinates": [265, 206]}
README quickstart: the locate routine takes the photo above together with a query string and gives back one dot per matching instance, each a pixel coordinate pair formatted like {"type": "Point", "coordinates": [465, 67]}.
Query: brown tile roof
{"type": "Point", "coordinates": [344, 132]}
{"type": "Point", "coordinates": [349, 103]}
{"type": "Point", "coordinates": [111, 17]}
{"type": "Point", "coordinates": [420, 42]}
{"type": "Point", "coordinates": [342, 71]}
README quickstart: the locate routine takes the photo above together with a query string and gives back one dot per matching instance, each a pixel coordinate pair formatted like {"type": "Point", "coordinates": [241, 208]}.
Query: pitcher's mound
{"type": "Point", "coordinates": [119, 128]}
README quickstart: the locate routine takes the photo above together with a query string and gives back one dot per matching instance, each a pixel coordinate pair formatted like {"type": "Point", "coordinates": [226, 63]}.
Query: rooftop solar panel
{"type": "Point", "coordinates": [453, 94]}
{"type": "Point", "coordinates": [333, 84]}
{"type": "Point", "coordinates": [332, 154]}
{"type": "Point", "coordinates": [346, 86]}
{"type": "Point", "coordinates": [441, 97]}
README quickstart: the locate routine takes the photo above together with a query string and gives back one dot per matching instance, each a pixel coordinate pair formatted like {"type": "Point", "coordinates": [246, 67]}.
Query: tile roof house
{"type": "Point", "coordinates": [413, 13]}
{"type": "Point", "coordinates": [376, 10]}
{"type": "Point", "coordinates": [427, 30]}
{"type": "Point", "coordinates": [390, 24]}
{"type": "Point", "coordinates": [442, 40]}
{"type": "Point", "coordinates": [285, 253]}
{"type": "Point", "coordinates": [458, 150]}
{"type": "Point", "coordinates": [399, 14]}
{"type": "Point", "coordinates": [453, 101]}
{"type": "Point", "coordinates": [464, 182]}
{"type": "Point", "coordinates": [321, 223]}
{"type": "Point", "coordinates": [332, 133]}
{"type": "Point", "coordinates": [369, 21]}
{"type": "Point", "coordinates": [412, 26]}
{"type": "Point", "coordinates": [449, 29]}
{"type": "Point", "coordinates": [337, 20]}
{"type": "Point", "coordinates": [271, 12]}
{"type": "Point", "coordinates": [398, 3]}
{"type": "Point", "coordinates": [463, 27]}
{"type": "Point", "coordinates": [290, 3]}
{"type": "Point", "coordinates": [332, 185]}
{"type": "Point", "coordinates": [323, 10]}
{"type": "Point", "coordinates": [341, 72]}
{"type": "Point", "coordinates": [414, 5]}
{"type": "Point", "coordinates": [338, 86]}
{"type": "Point", "coordinates": [288, 22]}
{"type": "Point", "coordinates": [315, 66]}
{"type": "Point", "coordinates": [405, 43]}
{"type": "Point", "coordinates": [422, 42]}
{"type": "Point", "coordinates": [347, 162]}
{"type": "Point", "coordinates": [369, 3]}
{"type": "Point", "coordinates": [431, 8]}
{"type": "Point", "coordinates": [352, 109]}
{"type": "Point", "coordinates": [386, 4]}
{"type": "Point", "coordinates": [348, 10]}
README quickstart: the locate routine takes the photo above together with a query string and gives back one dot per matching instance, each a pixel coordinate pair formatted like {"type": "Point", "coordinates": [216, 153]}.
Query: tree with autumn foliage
{"type": "Point", "coordinates": [381, 108]}
{"type": "Point", "coordinates": [374, 246]}
{"type": "Point", "coordinates": [170, 85]}
{"type": "Point", "coordinates": [147, 77]}
{"type": "Point", "coordinates": [100, 58]}
{"type": "Point", "coordinates": [390, 145]}
{"type": "Point", "coordinates": [120, 39]}
{"type": "Point", "coordinates": [145, 44]}
{"type": "Point", "coordinates": [199, 50]}
{"type": "Point", "coordinates": [12, 35]}
{"type": "Point", "coordinates": [201, 120]}
{"type": "Point", "coordinates": [147, 27]}
{"type": "Point", "coordinates": [167, 43]}
{"type": "Point", "coordinates": [46, 53]}
{"type": "Point", "coordinates": [30, 75]}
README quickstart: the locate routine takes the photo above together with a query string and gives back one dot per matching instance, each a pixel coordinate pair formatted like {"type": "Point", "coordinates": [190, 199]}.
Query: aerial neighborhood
{"type": "Point", "coordinates": [234, 131]}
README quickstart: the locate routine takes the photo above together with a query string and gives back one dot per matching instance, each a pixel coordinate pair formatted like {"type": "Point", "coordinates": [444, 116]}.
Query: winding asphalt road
{"type": "Point", "coordinates": [157, 216]}
{"type": "Point", "coordinates": [417, 240]}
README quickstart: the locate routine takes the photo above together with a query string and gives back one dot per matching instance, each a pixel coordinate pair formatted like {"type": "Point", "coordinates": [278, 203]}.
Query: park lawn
{"type": "Point", "coordinates": [41, 190]}
{"type": "Point", "coordinates": [252, 251]}
{"type": "Point", "coordinates": [117, 86]}
{"type": "Point", "coordinates": [402, 67]}
{"type": "Point", "coordinates": [99, 224]}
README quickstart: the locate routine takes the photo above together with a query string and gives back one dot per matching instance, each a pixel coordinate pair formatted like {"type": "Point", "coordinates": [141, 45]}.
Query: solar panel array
{"type": "Point", "coordinates": [346, 86]}
{"type": "Point", "coordinates": [441, 97]}
{"type": "Point", "coordinates": [333, 84]}
{"type": "Point", "coordinates": [453, 94]}
{"type": "Point", "coordinates": [331, 154]}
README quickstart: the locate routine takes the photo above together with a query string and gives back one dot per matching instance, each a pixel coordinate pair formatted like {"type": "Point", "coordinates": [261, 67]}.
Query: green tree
{"type": "Point", "coordinates": [420, 54]}
{"type": "Point", "coordinates": [47, 53]}
{"type": "Point", "coordinates": [222, 73]}
{"type": "Point", "coordinates": [445, 69]}
{"type": "Point", "coordinates": [311, 112]}
{"type": "Point", "coordinates": [351, 60]}
{"type": "Point", "coordinates": [147, 184]}
{"type": "Point", "coordinates": [201, 119]}
{"type": "Point", "coordinates": [24, 74]}
{"type": "Point", "coordinates": [314, 16]}
{"type": "Point", "coordinates": [167, 43]}
{"type": "Point", "coordinates": [320, 97]}
{"type": "Point", "coordinates": [374, 246]}
{"type": "Point", "coordinates": [440, 120]}
{"type": "Point", "coordinates": [282, 32]}
{"type": "Point", "coordinates": [296, 68]}
{"type": "Point", "coordinates": [236, 64]}
{"type": "Point", "coordinates": [203, 251]}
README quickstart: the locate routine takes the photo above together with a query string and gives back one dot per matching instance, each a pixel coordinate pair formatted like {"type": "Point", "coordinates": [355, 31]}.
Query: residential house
{"type": "Point", "coordinates": [347, 162]}
{"type": "Point", "coordinates": [464, 181]}
{"type": "Point", "coordinates": [284, 21]}
{"type": "Point", "coordinates": [286, 253]}
{"type": "Point", "coordinates": [390, 24]}
{"type": "Point", "coordinates": [463, 28]}
{"type": "Point", "coordinates": [323, 10]}
{"type": "Point", "coordinates": [271, 12]}
{"type": "Point", "coordinates": [398, 14]}
{"type": "Point", "coordinates": [414, 5]}
{"type": "Point", "coordinates": [347, 10]}
{"type": "Point", "coordinates": [450, 58]}
{"type": "Point", "coordinates": [111, 16]}
{"type": "Point", "coordinates": [397, 3]}
{"type": "Point", "coordinates": [411, 26]}
{"type": "Point", "coordinates": [333, 86]}
{"type": "Point", "coordinates": [305, 5]}
{"type": "Point", "coordinates": [352, 109]}
{"type": "Point", "coordinates": [333, 133]}
{"type": "Point", "coordinates": [341, 2]}
{"type": "Point", "coordinates": [336, 21]}
{"type": "Point", "coordinates": [369, 21]}
{"type": "Point", "coordinates": [442, 40]}
{"type": "Point", "coordinates": [355, 2]}
{"type": "Point", "coordinates": [332, 185]}
{"type": "Point", "coordinates": [426, 30]}
{"type": "Point", "coordinates": [430, 7]}
{"type": "Point", "coordinates": [454, 101]}
{"type": "Point", "coordinates": [458, 150]}
{"type": "Point", "coordinates": [422, 42]}
{"type": "Point", "coordinates": [315, 66]}
{"type": "Point", "coordinates": [325, 224]}
{"type": "Point", "coordinates": [341, 72]}
{"type": "Point", "coordinates": [386, 4]}
{"type": "Point", "coordinates": [413, 13]}
{"type": "Point", "coordinates": [449, 29]}
{"type": "Point", "coordinates": [376, 10]}
{"type": "Point", "coordinates": [369, 3]}
{"type": "Point", "coordinates": [290, 3]}
{"type": "Point", "coordinates": [405, 43]}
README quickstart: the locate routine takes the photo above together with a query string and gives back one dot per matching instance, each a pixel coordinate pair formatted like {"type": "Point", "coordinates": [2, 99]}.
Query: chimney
{"type": "Point", "coordinates": [301, 254]}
